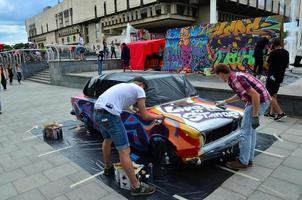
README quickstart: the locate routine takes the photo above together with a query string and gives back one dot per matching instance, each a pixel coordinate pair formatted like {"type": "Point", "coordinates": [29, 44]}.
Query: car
{"type": "Point", "coordinates": [194, 129]}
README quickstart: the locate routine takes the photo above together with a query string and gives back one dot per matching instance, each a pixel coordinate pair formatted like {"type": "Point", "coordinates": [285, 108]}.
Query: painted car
{"type": "Point", "coordinates": [194, 129]}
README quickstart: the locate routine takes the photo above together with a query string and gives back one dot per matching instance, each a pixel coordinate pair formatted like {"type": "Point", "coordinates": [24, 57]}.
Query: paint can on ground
{"type": "Point", "coordinates": [52, 131]}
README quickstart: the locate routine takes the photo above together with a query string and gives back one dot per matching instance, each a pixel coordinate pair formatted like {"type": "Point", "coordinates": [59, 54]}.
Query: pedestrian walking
{"type": "Point", "coordinates": [108, 109]}
{"type": "Point", "coordinates": [259, 52]}
{"type": "Point", "coordinates": [105, 49]}
{"type": "Point", "coordinates": [19, 72]}
{"type": "Point", "coordinates": [10, 74]}
{"type": "Point", "coordinates": [125, 57]}
{"type": "Point", "coordinates": [278, 61]}
{"type": "Point", "coordinates": [113, 50]}
{"type": "Point", "coordinates": [253, 92]}
{"type": "Point", "coordinates": [80, 49]}
{"type": "Point", "coordinates": [100, 62]}
{"type": "Point", "coordinates": [3, 75]}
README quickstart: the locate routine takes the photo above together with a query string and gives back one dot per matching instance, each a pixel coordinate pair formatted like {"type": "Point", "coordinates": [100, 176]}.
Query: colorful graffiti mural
{"type": "Point", "coordinates": [198, 47]}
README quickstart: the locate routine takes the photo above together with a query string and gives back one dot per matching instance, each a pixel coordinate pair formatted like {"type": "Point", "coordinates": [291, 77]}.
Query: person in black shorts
{"type": "Point", "coordinates": [278, 61]}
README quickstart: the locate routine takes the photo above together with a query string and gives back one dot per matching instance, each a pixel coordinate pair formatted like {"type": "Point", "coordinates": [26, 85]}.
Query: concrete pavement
{"type": "Point", "coordinates": [277, 173]}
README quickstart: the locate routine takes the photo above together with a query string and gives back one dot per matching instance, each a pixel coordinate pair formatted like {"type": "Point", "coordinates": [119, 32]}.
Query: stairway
{"type": "Point", "coordinates": [41, 77]}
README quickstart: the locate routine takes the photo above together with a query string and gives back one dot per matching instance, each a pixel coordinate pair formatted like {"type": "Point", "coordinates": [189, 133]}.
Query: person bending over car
{"type": "Point", "coordinates": [108, 108]}
{"type": "Point", "coordinates": [257, 99]}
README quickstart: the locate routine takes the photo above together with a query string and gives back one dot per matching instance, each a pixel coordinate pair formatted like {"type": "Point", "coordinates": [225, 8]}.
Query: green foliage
{"type": "Point", "coordinates": [19, 46]}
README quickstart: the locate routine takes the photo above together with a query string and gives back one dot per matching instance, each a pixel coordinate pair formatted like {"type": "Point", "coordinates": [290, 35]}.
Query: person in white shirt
{"type": "Point", "coordinates": [108, 108]}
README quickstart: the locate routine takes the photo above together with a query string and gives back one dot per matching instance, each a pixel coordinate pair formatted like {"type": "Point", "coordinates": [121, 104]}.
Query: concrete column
{"type": "Point", "coordinates": [139, 16]}
{"type": "Point", "coordinates": [213, 11]}
{"type": "Point", "coordinates": [163, 8]}
{"type": "Point", "coordinates": [300, 28]}
{"type": "Point", "coordinates": [148, 12]}
{"type": "Point", "coordinates": [173, 8]}
{"type": "Point", "coordinates": [153, 11]}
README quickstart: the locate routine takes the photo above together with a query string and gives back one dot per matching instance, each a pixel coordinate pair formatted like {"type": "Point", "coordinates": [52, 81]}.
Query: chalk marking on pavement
{"type": "Point", "coordinates": [272, 190]}
{"type": "Point", "coordinates": [179, 197]}
{"type": "Point", "coordinates": [271, 154]}
{"type": "Point", "coordinates": [86, 179]}
{"type": "Point", "coordinates": [238, 173]}
{"type": "Point", "coordinates": [32, 128]}
{"type": "Point", "coordinates": [44, 154]}
{"type": "Point", "coordinates": [278, 138]}
{"type": "Point", "coordinates": [31, 137]}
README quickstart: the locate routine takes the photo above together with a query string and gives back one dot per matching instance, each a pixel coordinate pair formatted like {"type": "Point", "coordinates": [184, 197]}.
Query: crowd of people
{"type": "Point", "coordinates": [7, 75]}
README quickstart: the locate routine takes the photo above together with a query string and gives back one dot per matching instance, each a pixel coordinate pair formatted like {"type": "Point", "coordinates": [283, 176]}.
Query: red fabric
{"type": "Point", "coordinates": [141, 49]}
{"type": "Point", "coordinates": [1, 46]}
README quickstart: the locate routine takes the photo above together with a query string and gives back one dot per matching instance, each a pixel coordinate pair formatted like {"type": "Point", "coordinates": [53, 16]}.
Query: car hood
{"type": "Point", "coordinates": [198, 113]}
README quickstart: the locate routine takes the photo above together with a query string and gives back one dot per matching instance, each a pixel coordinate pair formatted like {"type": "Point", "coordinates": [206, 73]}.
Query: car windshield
{"type": "Point", "coordinates": [162, 87]}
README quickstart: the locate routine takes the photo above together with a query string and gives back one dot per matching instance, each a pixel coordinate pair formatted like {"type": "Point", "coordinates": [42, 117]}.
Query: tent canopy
{"type": "Point", "coordinates": [141, 49]}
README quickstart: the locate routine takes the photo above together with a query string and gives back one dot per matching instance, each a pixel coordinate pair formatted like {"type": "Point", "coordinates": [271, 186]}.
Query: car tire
{"type": "Point", "coordinates": [161, 148]}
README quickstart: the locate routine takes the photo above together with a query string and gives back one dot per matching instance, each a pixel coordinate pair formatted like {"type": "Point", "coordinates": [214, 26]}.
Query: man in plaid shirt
{"type": "Point", "coordinates": [256, 98]}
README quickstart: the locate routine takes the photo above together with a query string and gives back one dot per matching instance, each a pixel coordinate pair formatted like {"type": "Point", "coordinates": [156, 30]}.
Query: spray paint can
{"type": "Point", "coordinates": [150, 169]}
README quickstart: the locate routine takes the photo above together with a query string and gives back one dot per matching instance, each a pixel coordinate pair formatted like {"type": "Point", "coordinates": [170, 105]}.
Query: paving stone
{"type": "Point", "coordinates": [30, 182]}
{"type": "Point", "coordinates": [37, 167]}
{"type": "Point", "coordinates": [11, 176]}
{"type": "Point", "coordinates": [298, 152]}
{"type": "Point", "coordinates": [61, 198]}
{"type": "Point", "coordinates": [279, 151]}
{"type": "Point", "coordinates": [59, 172]}
{"type": "Point", "coordinates": [224, 194]}
{"type": "Point", "coordinates": [270, 130]}
{"type": "Point", "coordinates": [285, 145]}
{"type": "Point", "coordinates": [292, 138]}
{"type": "Point", "coordinates": [241, 185]}
{"type": "Point", "coordinates": [113, 196]}
{"type": "Point", "coordinates": [12, 164]}
{"type": "Point", "coordinates": [30, 195]}
{"type": "Point", "coordinates": [56, 159]}
{"type": "Point", "coordinates": [258, 172]}
{"type": "Point", "coordinates": [85, 191]}
{"type": "Point", "coordinates": [56, 188]}
{"type": "Point", "coordinates": [7, 191]}
{"type": "Point", "coordinates": [282, 189]}
{"type": "Point", "coordinates": [25, 151]}
{"type": "Point", "coordinates": [293, 131]}
{"type": "Point", "coordinates": [293, 162]}
{"type": "Point", "coordinates": [258, 195]}
{"type": "Point", "coordinates": [79, 175]}
{"type": "Point", "coordinates": [288, 174]}
{"type": "Point", "coordinates": [267, 161]}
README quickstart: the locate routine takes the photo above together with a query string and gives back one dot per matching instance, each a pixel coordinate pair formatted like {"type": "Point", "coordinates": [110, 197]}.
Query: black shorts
{"type": "Point", "coordinates": [272, 87]}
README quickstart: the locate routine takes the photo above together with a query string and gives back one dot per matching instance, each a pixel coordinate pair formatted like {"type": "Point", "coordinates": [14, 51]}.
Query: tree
{"type": "Point", "coordinates": [19, 46]}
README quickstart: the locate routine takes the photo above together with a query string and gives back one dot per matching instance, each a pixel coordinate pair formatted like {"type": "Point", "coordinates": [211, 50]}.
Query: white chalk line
{"type": "Point", "coordinates": [276, 136]}
{"type": "Point", "coordinates": [179, 197]}
{"type": "Point", "coordinates": [270, 154]}
{"type": "Point", "coordinates": [86, 179]}
{"type": "Point", "coordinates": [31, 137]}
{"type": "Point", "coordinates": [272, 190]}
{"type": "Point", "coordinates": [238, 173]}
{"type": "Point", "coordinates": [44, 154]}
{"type": "Point", "coordinates": [32, 128]}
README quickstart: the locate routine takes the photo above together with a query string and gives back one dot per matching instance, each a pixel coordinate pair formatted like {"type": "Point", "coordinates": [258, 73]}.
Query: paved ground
{"type": "Point", "coordinates": [25, 175]}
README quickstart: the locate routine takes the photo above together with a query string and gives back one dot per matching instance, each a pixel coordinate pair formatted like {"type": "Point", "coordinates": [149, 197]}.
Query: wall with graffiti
{"type": "Point", "coordinates": [196, 48]}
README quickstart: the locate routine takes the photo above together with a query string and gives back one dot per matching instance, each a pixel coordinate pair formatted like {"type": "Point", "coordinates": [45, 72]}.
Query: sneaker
{"type": "Point", "coordinates": [279, 117]}
{"type": "Point", "coordinates": [269, 115]}
{"type": "Point", "coordinates": [144, 189]}
{"type": "Point", "coordinates": [236, 164]}
{"type": "Point", "coordinates": [109, 171]}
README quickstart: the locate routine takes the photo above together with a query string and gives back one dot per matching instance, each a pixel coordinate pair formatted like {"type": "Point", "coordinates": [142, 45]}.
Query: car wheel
{"type": "Point", "coordinates": [163, 151]}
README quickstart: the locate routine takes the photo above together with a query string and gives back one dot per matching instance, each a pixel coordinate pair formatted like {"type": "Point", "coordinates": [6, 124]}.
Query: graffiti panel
{"type": "Point", "coordinates": [198, 47]}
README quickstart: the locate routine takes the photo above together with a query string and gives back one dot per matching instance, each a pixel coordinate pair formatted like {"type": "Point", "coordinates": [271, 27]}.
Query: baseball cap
{"type": "Point", "coordinates": [142, 80]}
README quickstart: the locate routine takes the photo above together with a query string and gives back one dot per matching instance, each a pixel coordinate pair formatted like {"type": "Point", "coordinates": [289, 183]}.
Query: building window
{"type": "Point", "coordinates": [68, 40]}
{"type": "Point", "coordinates": [105, 9]}
{"type": "Point", "coordinates": [144, 13]}
{"type": "Point", "coordinates": [71, 15]}
{"type": "Point", "coordinates": [180, 9]}
{"type": "Point", "coordinates": [95, 12]}
{"type": "Point", "coordinates": [74, 38]}
{"type": "Point", "coordinates": [41, 29]}
{"type": "Point", "coordinates": [62, 40]}
{"type": "Point", "coordinates": [158, 9]}
{"type": "Point", "coordinates": [47, 27]}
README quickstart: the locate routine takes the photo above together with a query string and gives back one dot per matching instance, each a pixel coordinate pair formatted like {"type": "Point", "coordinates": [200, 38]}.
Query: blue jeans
{"type": "Point", "coordinates": [248, 134]}
{"type": "Point", "coordinates": [112, 127]}
{"type": "Point", "coordinates": [100, 67]}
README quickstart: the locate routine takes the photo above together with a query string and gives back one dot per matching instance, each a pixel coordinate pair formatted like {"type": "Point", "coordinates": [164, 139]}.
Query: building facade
{"type": "Point", "coordinates": [99, 20]}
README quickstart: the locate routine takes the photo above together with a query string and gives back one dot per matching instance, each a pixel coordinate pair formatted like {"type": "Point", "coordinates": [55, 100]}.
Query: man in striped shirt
{"type": "Point", "coordinates": [256, 98]}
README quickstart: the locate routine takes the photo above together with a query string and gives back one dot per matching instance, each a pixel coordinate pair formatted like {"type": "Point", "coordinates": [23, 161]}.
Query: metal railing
{"type": "Point", "coordinates": [23, 56]}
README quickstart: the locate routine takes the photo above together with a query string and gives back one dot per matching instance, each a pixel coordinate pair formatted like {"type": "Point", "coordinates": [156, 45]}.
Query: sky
{"type": "Point", "coordinates": [12, 18]}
